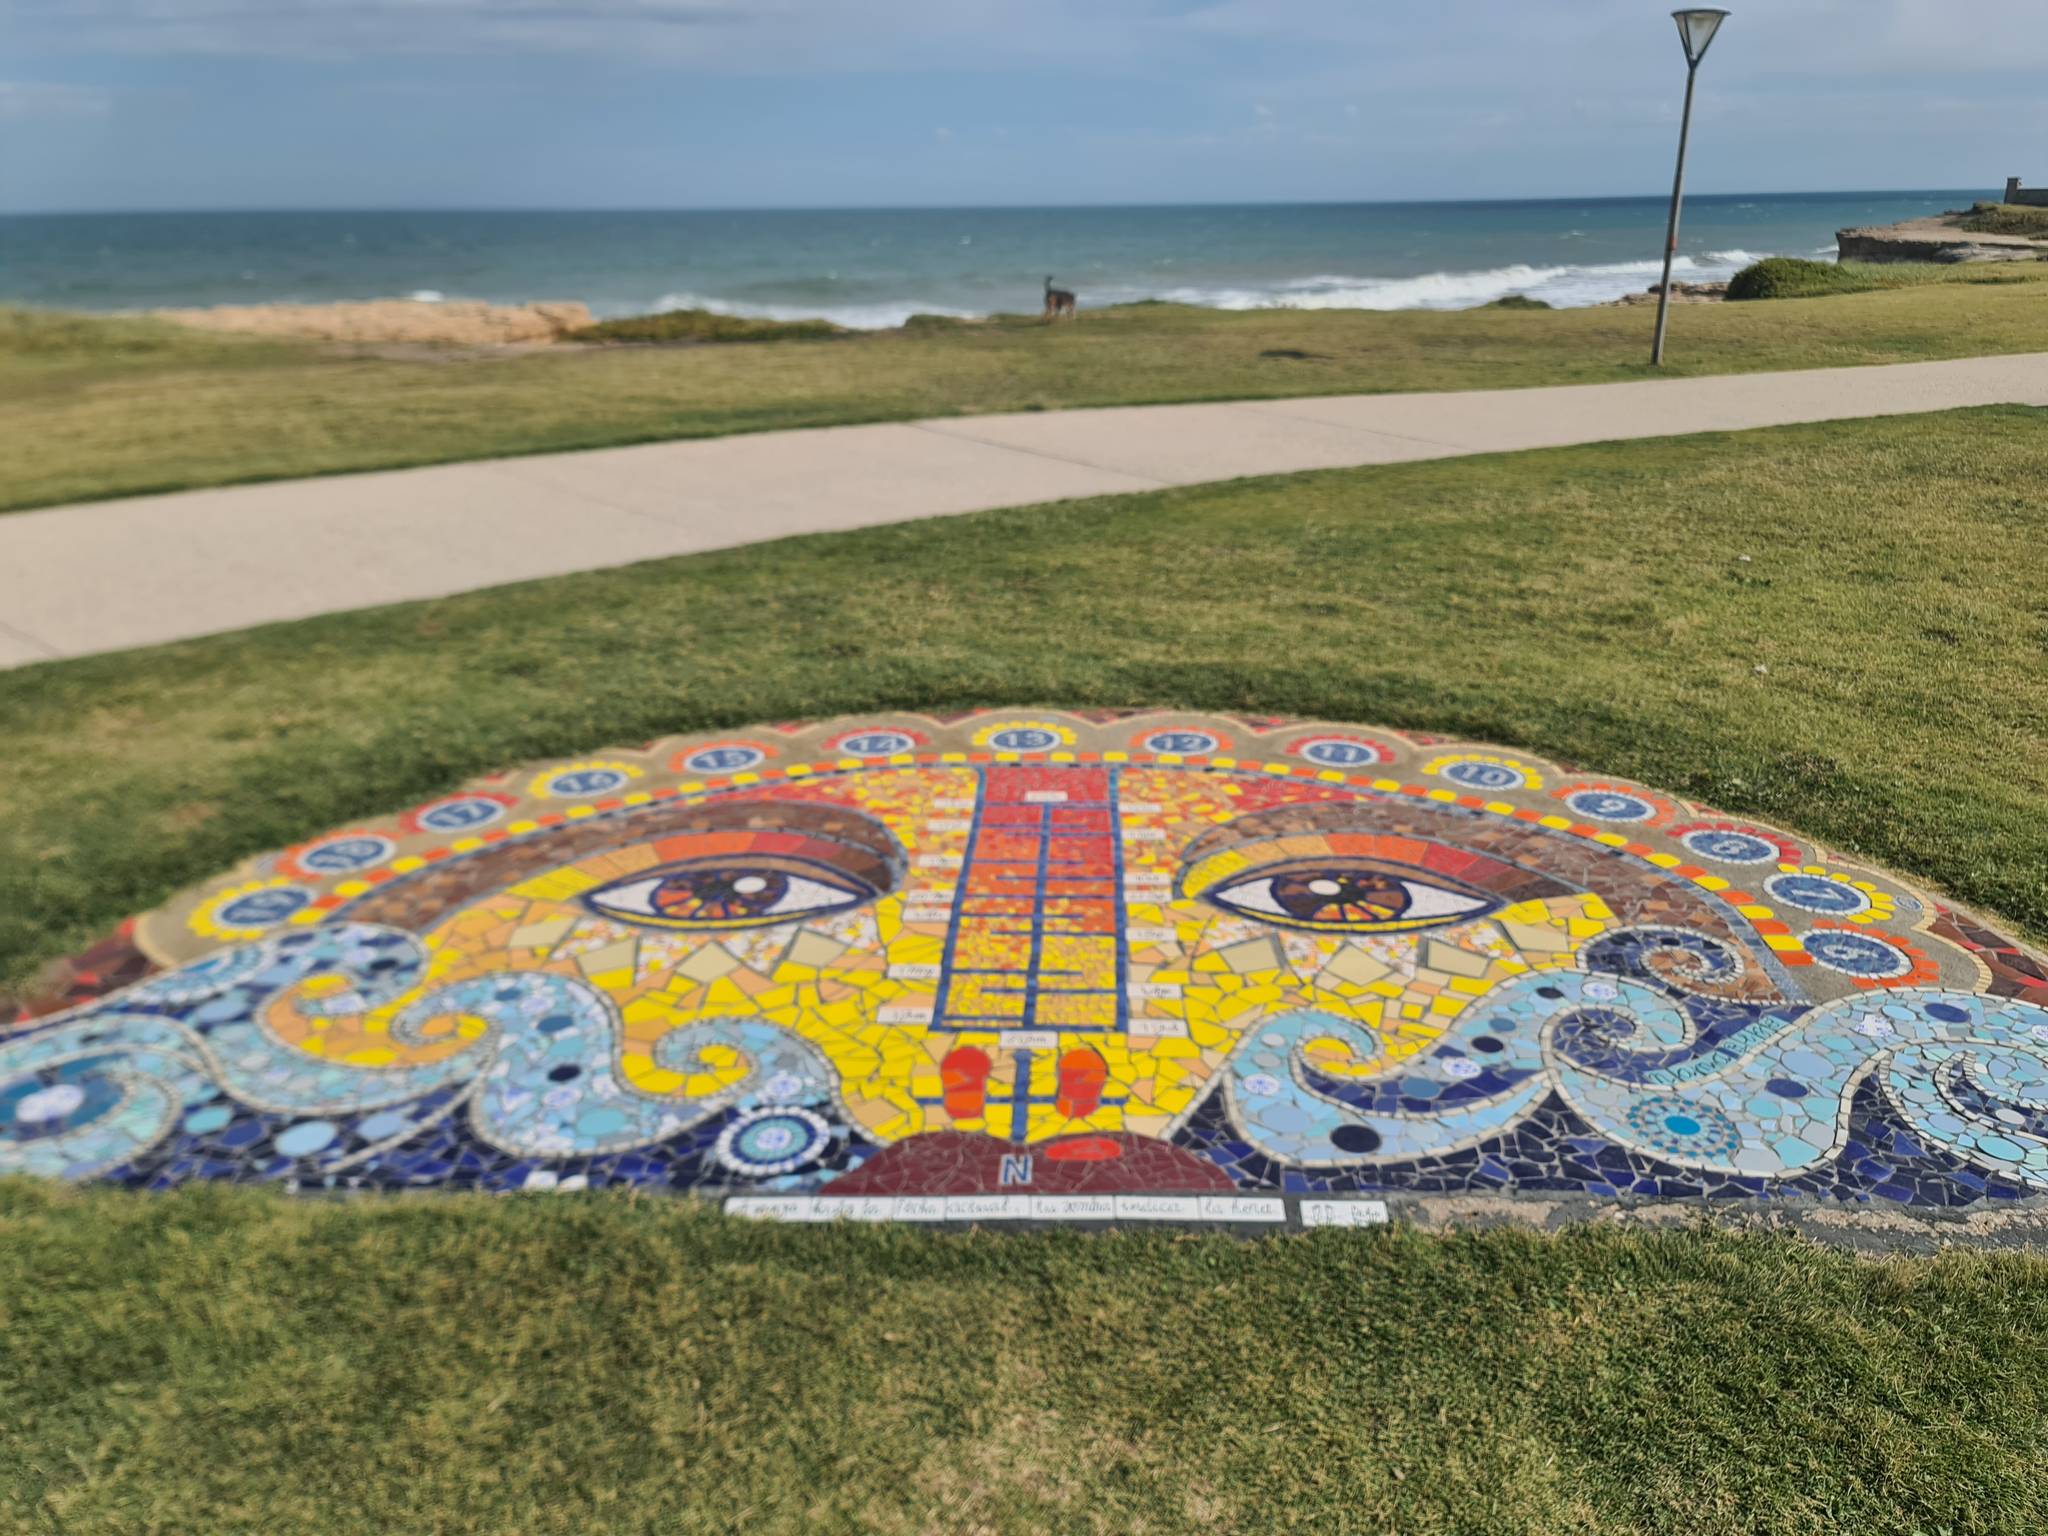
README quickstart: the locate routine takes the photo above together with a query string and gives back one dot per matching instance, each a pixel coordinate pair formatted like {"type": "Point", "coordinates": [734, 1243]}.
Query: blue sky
{"type": "Point", "coordinates": [805, 103]}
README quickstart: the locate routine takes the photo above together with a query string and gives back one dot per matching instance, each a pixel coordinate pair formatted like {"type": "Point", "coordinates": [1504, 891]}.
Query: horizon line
{"type": "Point", "coordinates": [1401, 202]}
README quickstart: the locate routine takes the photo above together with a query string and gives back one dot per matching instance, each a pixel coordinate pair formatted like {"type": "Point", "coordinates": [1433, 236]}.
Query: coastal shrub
{"type": "Point", "coordinates": [678, 325]}
{"type": "Point", "coordinates": [927, 325]}
{"type": "Point", "coordinates": [30, 334]}
{"type": "Point", "coordinates": [1790, 277]}
{"type": "Point", "coordinates": [1518, 301]}
{"type": "Point", "coordinates": [2007, 219]}
{"type": "Point", "coordinates": [1793, 277]}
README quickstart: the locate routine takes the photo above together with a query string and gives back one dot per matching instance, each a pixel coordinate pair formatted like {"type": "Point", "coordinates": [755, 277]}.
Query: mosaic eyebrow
{"type": "Point", "coordinates": [853, 841]}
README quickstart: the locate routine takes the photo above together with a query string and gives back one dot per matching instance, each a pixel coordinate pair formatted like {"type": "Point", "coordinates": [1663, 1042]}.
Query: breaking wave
{"type": "Point", "coordinates": [859, 317]}
{"type": "Point", "coordinates": [1566, 286]}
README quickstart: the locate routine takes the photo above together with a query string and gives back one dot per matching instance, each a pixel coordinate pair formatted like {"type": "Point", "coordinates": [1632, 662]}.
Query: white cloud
{"type": "Point", "coordinates": [1484, 96]}
{"type": "Point", "coordinates": [379, 28]}
{"type": "Point", "coordinates": [1371, 42]}
{"type": "Point", "coordinates": [796, 34]}
{"type": "Point", "coordinates": [23, 99]}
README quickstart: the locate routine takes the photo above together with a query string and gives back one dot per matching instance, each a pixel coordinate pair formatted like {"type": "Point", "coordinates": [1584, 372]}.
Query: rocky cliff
{"type": "Point", "coordinates": [1940, 239]}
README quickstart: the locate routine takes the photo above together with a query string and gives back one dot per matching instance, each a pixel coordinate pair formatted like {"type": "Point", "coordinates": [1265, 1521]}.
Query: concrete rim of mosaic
{"type": "Point", "coordinates": [1052, 966]}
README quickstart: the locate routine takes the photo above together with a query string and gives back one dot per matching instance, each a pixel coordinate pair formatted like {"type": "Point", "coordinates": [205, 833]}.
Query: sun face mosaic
{"type": "Point", "coordinates": [1092, 962]}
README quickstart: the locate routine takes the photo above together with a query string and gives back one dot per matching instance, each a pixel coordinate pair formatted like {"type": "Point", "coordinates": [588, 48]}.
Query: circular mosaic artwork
{"type": "Point", "coordinates": [1051, 965]}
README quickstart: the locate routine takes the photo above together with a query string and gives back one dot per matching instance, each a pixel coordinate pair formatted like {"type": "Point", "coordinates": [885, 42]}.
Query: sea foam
{"type": "Point", "coordinates": [857, 317]}
{"type": "Point", "coordinates": [1566, 286]}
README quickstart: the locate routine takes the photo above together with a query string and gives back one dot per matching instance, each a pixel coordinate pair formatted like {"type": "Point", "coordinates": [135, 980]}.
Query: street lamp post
{"type": "Point", "coordinates": [1696, 29]}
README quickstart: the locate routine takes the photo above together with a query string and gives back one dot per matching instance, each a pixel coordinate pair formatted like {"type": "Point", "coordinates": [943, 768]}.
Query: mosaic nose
{"type": "Point", "coordinates": [1036, 943]}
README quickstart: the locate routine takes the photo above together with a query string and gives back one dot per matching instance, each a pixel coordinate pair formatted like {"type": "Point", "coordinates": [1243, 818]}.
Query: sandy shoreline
{"type": "Point", "coordinates": [393, 320]}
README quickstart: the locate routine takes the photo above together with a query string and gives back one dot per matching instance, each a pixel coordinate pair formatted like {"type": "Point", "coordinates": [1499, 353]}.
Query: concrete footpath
{"type": "Point", "coordinates": [104, 576]}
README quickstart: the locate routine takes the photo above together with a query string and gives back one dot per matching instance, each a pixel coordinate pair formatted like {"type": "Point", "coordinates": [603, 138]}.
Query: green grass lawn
{"type": "Point", "coordinates": [226, 1363]}
{"type": "Point", "coordinates": [221, 1363]}
{"type": "Point", "coordinates": [1591, 603]}
{"type": "Point", "coordinates": [105, 408]}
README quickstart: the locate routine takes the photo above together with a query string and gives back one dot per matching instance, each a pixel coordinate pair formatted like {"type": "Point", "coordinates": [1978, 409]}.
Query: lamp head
{"type": "Point", "coordinates": [1696, 29]}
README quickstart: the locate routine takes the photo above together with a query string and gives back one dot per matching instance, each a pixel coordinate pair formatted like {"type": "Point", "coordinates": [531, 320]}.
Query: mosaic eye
{"type": "Point", "coordinates": [1348, 898]}
{"type": "Point", "coordinates": [728, 895]}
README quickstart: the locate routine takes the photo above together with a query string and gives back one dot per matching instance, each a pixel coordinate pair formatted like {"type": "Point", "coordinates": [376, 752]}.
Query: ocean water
{"type": "Point", "coordinates": [876, 267]}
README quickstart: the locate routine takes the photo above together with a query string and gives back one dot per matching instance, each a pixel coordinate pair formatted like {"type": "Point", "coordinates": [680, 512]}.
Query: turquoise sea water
{"type": "Point", "coordinates": [874, 267]}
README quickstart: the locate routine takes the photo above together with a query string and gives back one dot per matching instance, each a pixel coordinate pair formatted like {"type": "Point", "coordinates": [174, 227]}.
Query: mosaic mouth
{"type": "Point", "coordinates": [1051, 964]}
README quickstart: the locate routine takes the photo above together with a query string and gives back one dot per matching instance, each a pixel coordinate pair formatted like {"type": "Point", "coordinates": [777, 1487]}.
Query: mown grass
{"type": "Point", "coordinates": [108, 408]}
{"type": "Point", "coordinates": [224, 1362]}
{"type": "Point", "coordinates": [1590, 603]}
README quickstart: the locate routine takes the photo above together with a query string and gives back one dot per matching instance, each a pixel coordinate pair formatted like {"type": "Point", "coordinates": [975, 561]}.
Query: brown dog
{"type": "Point", "coordinates": [1057, 302]}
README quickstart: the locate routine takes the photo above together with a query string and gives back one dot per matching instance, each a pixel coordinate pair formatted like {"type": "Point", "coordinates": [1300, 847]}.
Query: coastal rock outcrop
{"type": "Point", "coordinates": [1941, 239]}
{"type": "Point", "coordinates": [1681, 293]}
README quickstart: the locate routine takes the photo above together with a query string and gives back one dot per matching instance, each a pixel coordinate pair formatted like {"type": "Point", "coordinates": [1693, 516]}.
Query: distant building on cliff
{"type": "Point", "coordinates": [2031, 197]}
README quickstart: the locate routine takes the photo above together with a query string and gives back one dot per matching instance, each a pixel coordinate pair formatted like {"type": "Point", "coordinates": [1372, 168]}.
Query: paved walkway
{"type": "Point", "coordinates": [107, 575]}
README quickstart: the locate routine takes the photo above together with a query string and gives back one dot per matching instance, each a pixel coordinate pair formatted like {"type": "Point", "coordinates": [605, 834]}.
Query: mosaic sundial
{"type": "Point", "coordinates": [1051, 964]}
